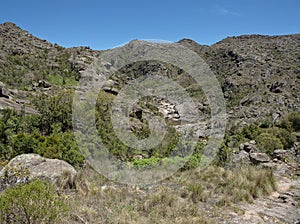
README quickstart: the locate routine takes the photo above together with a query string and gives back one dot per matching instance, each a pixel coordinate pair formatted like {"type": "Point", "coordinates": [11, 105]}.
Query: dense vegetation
{"type": "Point", "coordinates": [33, 203]}
{"type": "Point", "coordinates": [48, 133]}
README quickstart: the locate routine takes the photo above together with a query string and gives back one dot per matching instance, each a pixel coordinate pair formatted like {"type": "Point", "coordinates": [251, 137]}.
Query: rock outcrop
{"type": "Point", "coordinates": [27, 167]}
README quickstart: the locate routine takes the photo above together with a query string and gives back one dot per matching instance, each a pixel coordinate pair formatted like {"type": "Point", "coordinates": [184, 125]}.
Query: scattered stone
{"type": "Point", "coordinates": [138, 157]}
{"type": "Point", "coordinates": [44, 84]}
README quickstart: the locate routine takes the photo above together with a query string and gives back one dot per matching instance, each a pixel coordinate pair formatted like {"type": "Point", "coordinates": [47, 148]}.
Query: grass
{"type": "Point", "coordinates": [182, 198]}
{"type": "Point", "coordinates": [179, 199]}
{"type": "Point", "coordinates": [227, 186]}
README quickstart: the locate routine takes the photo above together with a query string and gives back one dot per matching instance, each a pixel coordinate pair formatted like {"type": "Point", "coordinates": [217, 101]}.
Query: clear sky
{"type": "Point", "coordinates": [106, 24]}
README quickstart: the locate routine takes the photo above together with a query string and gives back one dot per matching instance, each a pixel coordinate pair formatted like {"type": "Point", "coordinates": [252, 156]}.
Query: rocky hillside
{"type": "Point", "coordinates": [254, 177]}
{"type": "Point", "coordinates": [259, 75]}
{"type": "Point", "coordinates": [25, 59]}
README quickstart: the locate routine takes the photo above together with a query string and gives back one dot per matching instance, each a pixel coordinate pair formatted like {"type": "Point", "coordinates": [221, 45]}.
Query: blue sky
{"type": "Point", "coordinates": [106, 24]}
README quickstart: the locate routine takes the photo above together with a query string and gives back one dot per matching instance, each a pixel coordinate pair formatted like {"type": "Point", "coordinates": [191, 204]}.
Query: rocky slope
{"type": "Point", "coordinates": [259, 75]}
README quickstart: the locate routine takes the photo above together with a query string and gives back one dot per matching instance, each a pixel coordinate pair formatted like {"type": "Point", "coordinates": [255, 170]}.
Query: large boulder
{"type": "Point", "coordinates": [249, 146]}
{"type": "Point", "coordinates": [257, 157]}
{"type": "Point", "coordinates": [27, 167]}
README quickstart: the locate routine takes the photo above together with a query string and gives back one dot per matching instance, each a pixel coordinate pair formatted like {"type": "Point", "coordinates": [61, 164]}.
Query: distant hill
{"type": "Point", "coordinates": [259, 75]}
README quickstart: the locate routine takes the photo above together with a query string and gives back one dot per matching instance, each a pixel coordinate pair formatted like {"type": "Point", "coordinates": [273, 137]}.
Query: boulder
{"type": "Point", "coordinates": [248, 146]}
{"type": "Point", "coordinates": [27, 167]}
{"type": "Point", "coordinates": [3, 91]}
{"type": "Point", "coordinates": [279, 154]}
{"type": "Point", "coordinates": [241, 157]}
{"type": "Point", "coordinates": [257, 157]}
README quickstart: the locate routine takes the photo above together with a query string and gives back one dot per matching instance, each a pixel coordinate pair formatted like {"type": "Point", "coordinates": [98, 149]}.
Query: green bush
{"type": "Point", "coordinates": [267, 142]}
{"type": "Point", "coordinates": [294, 119]}
{"type": "Point", "coordinates": [145, 163]}
{"type": "Point", "coordinates": [287, 138]}
{"type": "Point", "coordinates": [61, 145]}
{"type": "Point", "coordinates": [55, 110]}
{"type": "Point", "coordinates": [193, 161]}
{"type": "Point", "coordinates": [291, 122]}
{"type": "Point", "coordinates": [251, 131]}
{"type": "Point", "coordinates": [33, 203]}
{"type": "Point", "coordinates": [224, 155]}
{"type": "Point", "coordinates": [48, 134]}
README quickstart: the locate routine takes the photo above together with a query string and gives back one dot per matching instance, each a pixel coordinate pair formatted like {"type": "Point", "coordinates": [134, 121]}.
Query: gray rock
{"type": "Point", "coordinates": [27, 167]}
{"type": "Point", "coordinates": [270, 165]}
{"type": "Point", "coordinates": [248, 146]}
{"type": "Point", "coordinates": [279, 153]}
{"type": "Point", "coordinates": [257, 157]}
{"type": "Point", "coordinates": [241, 157]}
{"type": "Point", "coordinates": [3, 91]}
{"type": "Point", "coordinates": [253, 142]}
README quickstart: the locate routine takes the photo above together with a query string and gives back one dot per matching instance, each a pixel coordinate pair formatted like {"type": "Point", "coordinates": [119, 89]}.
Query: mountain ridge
{"type": "Point", "coordinates": [259, 75]}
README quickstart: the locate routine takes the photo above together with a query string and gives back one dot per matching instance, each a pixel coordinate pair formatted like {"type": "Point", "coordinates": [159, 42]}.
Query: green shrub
{"type": "Point", "coordinates": [224, 155]}
{"type": "Point", "coordinates": [287, 138]}
{"type": "Point", "coordinates": [251, 131]}
{"type": "Point", "coordinates": [55, 110]}
{"type": "Point", "coordinates": [36, 202]}
{"type": "Point", "coordinates": [294, 119]}
{"type": "Point", "coordinates": [193, 162]}
{"type": "Point", "coordinates": [291, 122]}
{"type": "Point", "coordinates": [267, 142]}
{"type": "Point", "coordinates": [61, 145]}
{"type": "Point", "coordinates": [145, 163]}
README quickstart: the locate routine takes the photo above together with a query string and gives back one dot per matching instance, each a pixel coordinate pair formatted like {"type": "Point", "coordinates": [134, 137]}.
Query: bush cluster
{"type": "Point", "coordinates": [36, 202]}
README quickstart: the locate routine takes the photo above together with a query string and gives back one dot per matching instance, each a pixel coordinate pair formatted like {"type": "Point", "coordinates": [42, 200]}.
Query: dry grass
{"type": "Point", "coordinates": [225, 186]}
{"type": "Point", "coordinates": [180, 199]}
{"type": "Point", "coordinates": [131, 205]}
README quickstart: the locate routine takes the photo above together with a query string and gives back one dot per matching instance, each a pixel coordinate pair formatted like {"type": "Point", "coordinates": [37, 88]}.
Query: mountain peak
{"type": "Point", "coordinates": [9, 24]}
{"type": "Point", "coordinates": [6, 26]}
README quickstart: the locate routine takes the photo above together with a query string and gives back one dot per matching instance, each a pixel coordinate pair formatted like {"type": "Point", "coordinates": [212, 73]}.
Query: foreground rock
{"type": "Point", "coordinates": [26, 167]}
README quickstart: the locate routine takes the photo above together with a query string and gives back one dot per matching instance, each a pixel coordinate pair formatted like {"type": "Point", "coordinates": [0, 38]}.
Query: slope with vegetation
{"type": "Point", "coordinates": [259, 76]}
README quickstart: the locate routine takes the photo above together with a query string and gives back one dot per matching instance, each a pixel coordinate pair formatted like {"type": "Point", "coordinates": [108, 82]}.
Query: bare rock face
{"type": "Point", "coordinates": [26, 167]}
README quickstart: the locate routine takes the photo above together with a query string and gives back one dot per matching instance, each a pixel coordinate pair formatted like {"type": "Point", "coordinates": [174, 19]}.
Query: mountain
{"type": "Point", "coordinates": [258, 160]}
{"type": "Point", "coordinates": [259, 75]}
